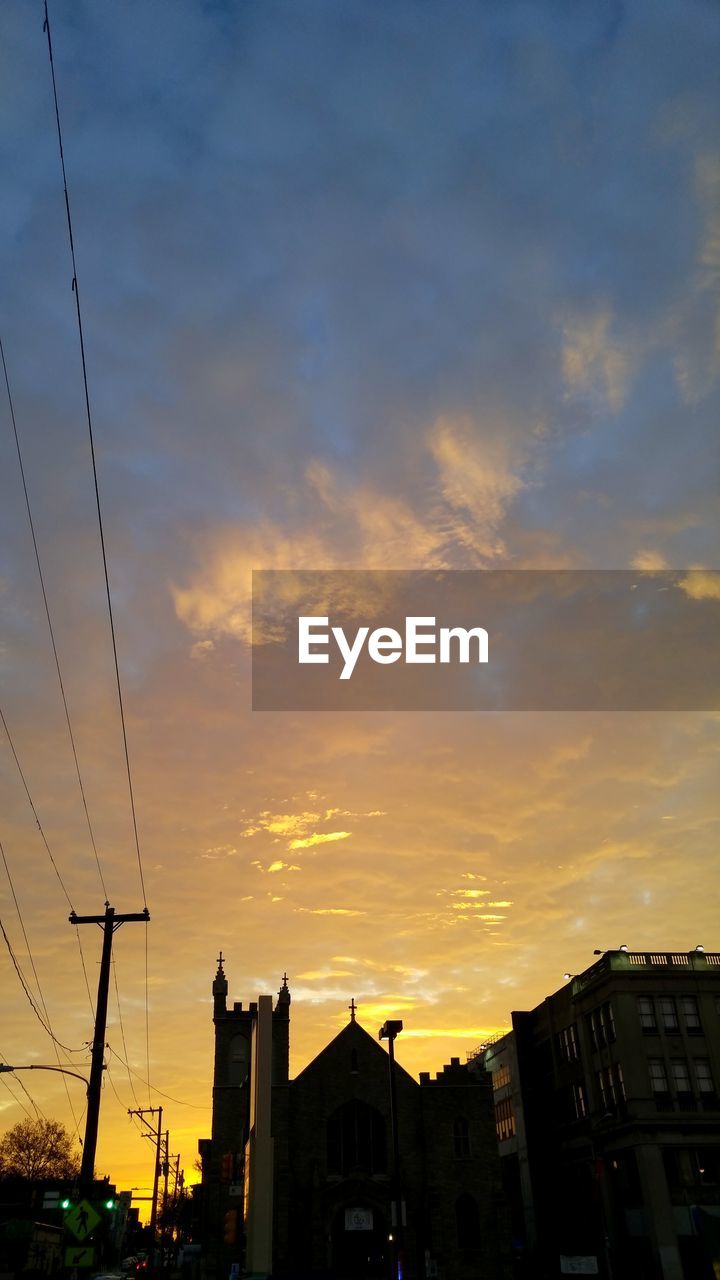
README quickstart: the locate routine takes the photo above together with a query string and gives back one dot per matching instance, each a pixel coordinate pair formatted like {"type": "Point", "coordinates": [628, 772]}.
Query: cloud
{"type": "Point", "coordinates": [593, 361]}
{"type": "Point", "coordinates": [326, 837]}
{"type": "Point", "coordinates": [652, 560]}
{"type": "Point", "coordinates": [701, 584]}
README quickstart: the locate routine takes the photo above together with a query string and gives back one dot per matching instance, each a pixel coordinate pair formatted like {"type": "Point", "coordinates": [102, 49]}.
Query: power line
{"type": "Point", "coordinates": [78, 312]}
{"type": "Point", "coordinates": [49, 622]}
{"type": "Point", "coordinates": [35, 813]}
{"type": "Point", "coordinates": [195, 1106]}
{"type": "Point", "coordinates": [38, 1112]}
{"type": "Point", "coordinates": [122, 1031]}
{"type": "Point", "coordinates": [43, 1020]}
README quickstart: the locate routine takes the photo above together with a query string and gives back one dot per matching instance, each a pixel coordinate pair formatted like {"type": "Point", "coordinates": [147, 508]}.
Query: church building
{"type": "Point", "coordinates": [299, 1176]}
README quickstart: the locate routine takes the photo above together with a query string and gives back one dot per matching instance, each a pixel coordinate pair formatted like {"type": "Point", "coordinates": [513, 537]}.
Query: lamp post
{"type": "Point", "coordinates": [389, 1031]}
{"type": "Point", "coordinates": [5, 1066]}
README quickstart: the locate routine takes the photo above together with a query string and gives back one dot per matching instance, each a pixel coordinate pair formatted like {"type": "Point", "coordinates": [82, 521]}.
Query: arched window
{"type": "Point", "coordinates": [356, 1140]}
{"type": "Point", "coordinates": [461, 1137]}
{"type": "Point", "coordinates": [238, 1060]}
{"type": "Point", "coordinates": [467, 1218]}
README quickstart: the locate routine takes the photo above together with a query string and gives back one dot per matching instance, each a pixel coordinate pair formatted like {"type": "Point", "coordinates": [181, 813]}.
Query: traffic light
{"type": "Point", "coordinates": [230, 1228]}
{"type": "Point", "coordinates": [226, 1174]}
{"type": "Point", "coordinates": [109, 1204]}
{"type": "Point", "coordinates": [65, 1204]}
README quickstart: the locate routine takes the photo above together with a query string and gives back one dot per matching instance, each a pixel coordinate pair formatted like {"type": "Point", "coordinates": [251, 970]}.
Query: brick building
{"type": "Point", "coordinates": [608, 1119]}
{"type": "Point", "coordinates": [332, 1157]}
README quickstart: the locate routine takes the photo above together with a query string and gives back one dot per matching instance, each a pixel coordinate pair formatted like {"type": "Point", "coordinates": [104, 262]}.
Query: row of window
{"type": "Point", "coordinates": [662, 1011]}
{"type": "Point", "coordinates": [601, 1031]}
{"type": "Point", "coordinates": [680, 1075]}
{"type": "Point", "coordinates": [504, 1119]}
{"type": "Point", "coordinates": [653, 1012]}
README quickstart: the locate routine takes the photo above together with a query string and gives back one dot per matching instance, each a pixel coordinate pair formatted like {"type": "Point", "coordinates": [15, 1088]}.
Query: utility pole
{"type": "Point", "coordinates": [108, 922]}
{"type": "Point", "coordinates": [163, 1229]}
{"type": "Point", "coordinates": [157, 1135]}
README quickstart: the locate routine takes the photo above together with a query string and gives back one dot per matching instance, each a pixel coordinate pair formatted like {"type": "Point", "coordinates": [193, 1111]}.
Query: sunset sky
{"type": "Point", "coordinates": [406, 285]}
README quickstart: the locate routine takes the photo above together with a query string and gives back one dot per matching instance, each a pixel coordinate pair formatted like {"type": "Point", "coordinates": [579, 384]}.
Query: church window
{"type": "Point", "coordinates": [461, 1137]}
{"type": "Point", "coordinates": [238, 1061]}
{"type": "Point", "coordinates": [356, 1139]}
{"type": "Point", "coordinates": [467, 1218]}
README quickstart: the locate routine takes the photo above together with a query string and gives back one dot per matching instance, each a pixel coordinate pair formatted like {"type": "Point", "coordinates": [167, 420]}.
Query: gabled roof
{"type": "Point", "coordinates": [353, 1035]}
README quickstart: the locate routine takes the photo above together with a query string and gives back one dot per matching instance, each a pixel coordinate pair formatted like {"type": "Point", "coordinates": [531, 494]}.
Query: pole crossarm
{"type": "Point", "coordinates": [128, 918]}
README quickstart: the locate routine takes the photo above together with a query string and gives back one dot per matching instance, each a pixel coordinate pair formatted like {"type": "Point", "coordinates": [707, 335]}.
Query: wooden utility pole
{"type": "Point", "coordinates": [108, 922]}
{"type": "Point", "coordinates": [157, 1135]}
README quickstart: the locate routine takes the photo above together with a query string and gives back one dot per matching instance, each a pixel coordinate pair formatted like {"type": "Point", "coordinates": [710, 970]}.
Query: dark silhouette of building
{"type": "Point", "coordinates": [332, 1158]}
{"type": "Point", "coordinates": [608, 1119]}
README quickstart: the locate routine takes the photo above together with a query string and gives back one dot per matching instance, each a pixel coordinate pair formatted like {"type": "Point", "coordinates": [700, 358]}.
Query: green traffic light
{"type": "Point", "coordinates": [64, 1204]}
{"type": "Point", "coordinates": [109, 1204]}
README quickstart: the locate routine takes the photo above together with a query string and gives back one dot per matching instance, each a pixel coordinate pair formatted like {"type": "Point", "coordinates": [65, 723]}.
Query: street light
{"type": "Point", "coordinates": [389, 1031]}
{"type": "Point", "coordinates": [5, 1066]}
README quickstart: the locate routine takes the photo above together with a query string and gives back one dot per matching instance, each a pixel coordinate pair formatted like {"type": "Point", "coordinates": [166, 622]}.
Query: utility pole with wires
{"type": "Point", "coordinates": [157, 1134]}
{"type": "Point", "coordinates": [109, 923]}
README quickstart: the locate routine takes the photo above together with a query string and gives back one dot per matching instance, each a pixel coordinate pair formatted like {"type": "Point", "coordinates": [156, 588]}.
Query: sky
{"type": "Point", "coordinates": [399, 286]}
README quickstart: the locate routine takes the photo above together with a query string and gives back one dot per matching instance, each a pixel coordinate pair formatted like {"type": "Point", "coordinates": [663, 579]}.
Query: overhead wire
{"type": "Point", "coordinates": [44, 1022]}
{"type": "Point", "coordinates": [35, 813]}
{"type": "Point", "coordinates": [61, 683]}
{"type": "Point", "coordinates": [122, 1031]}
{"type": "Point", "coordinates": [38, 1112]}
{"type": "Point", "coordinates": [88, 413]}
{"type": "Point", "coordinates": [91, 435]}
{"type": "Point", "coordinates": [194, 1105]}
{"type": "Point", "coordinates": [49, 621]}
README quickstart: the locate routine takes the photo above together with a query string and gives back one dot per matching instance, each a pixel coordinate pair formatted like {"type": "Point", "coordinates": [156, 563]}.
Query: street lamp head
{"type": "Point", "coordinates": [390, 1029]}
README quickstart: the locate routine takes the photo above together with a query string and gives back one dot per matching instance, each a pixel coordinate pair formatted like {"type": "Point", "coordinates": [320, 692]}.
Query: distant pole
{"type": "Point", "coordinates": [156, 1180]}
{"type": "Point", "coordinates": [389, 1031]}
{"type": "Point", "coordinates": [108, 922]}
{"type": "Point", "coordinates": [142, 1112]}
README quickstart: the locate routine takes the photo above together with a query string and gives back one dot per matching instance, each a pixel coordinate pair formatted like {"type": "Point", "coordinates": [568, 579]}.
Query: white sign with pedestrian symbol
{"type": "Point", "coordinates": [81, 1220]}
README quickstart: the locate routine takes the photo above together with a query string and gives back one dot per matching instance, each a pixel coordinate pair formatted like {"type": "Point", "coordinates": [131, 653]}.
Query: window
{"type": "Point", "coordinates": [620, 1081]}
{"type": "Point", "coordinates": [646, 1013]}
{"type": "Point", "coordinates": [680, 1075]}
{"type": "Point", "coordinates": [602, 1025]}
{"type": "Point", "coordinates": [461, 1137]}
{"type": "Point", "coordinates": [238, 1063]}
{"type": "Point", "coordinates": [356, 1139]}
{"type": "Point", "coordinates": [501, 1076]}
{"type": "Point", "coordinates": [504, 1119]}
{"type": "Point", "coordinates": [611, 1089]}
{"type": "Point", "coordinates": [668, 1014]}
{"type": "Point", "coordinates": [658, 1075]}
{"type": "Point", "coordinates": [703, 1076]}
{"type": "Point", "coordinates": [467, 1218]}
{"type": "Point", "coordinates": [689, 1007]}
{"type": "Point", "coordinates": [579, 1101]}
{"type": "Point", "coordinates": [567, 1041]}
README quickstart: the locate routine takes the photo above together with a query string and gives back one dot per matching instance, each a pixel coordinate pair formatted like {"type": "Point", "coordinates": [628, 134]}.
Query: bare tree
{"type": "Point", "coordinates": [38, 1149]}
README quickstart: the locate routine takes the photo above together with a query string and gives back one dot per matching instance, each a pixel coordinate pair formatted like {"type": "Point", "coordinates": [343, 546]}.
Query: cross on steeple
{"type": "Point", "coordinates": [220, 960]}
{"type": "Point", "coordinates": [353, 1009]}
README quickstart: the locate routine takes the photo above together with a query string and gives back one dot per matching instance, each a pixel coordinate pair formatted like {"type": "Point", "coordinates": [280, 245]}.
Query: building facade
{"type": "Point", "coordinates": [332, 1187]}
{"type": "Point", "coordinates": [608, 1120]}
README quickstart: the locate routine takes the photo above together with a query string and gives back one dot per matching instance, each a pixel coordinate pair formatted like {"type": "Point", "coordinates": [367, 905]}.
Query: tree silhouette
{"type": "Point", "coordinates": [38, 1149]}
